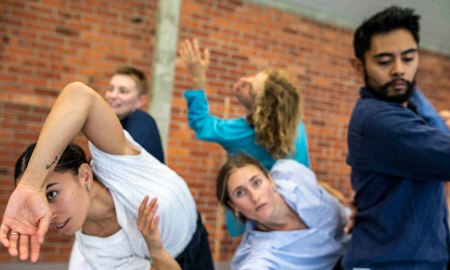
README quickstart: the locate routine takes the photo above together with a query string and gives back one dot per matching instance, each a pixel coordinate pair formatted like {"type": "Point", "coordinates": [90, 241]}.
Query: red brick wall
{"type": "Point", "coordinates": [46, 44]}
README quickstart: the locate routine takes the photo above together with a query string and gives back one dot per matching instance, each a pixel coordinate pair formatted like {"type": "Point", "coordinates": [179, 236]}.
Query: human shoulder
{"type": "Point", "coordinates": [140, 115]}
{"type": "Point", "coordinates": [293, 171]}
{"type": "Point", "coordinates": [377, 115]}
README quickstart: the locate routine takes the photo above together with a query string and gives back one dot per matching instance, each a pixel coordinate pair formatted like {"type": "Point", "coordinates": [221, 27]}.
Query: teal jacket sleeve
{"type": "Point", "coordinates": [209, 127]}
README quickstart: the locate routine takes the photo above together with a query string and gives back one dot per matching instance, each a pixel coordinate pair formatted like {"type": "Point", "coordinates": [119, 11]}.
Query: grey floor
{"type": "Point", "coordinates": [63, 266]}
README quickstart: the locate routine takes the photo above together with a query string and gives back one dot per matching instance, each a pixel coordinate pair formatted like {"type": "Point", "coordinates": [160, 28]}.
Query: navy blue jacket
{"type": "Point", "coordinates": [143, 129]}
{"type": "Point", "coordinates": [399, 158]}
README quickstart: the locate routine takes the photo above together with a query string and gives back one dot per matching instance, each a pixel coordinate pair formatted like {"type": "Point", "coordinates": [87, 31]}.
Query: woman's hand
{"type": "Point", "coordinates": [195, 61]}
{"type": "Point", "coordinates": [25, 222]}
{"type": "Point", "coordinates": [148, 224]}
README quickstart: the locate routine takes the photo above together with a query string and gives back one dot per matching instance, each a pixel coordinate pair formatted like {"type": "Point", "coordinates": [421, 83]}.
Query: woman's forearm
{"type": "Point", "coordinates": [77, 108]}
{"type": "Point", "coordinates": [64, 121]}
{"type": "Point", "coordinates": [161, 260]}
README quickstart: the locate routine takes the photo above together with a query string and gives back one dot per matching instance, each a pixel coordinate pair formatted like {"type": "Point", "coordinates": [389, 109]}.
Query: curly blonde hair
{"type": "Point", "coordinates": [276, 115]}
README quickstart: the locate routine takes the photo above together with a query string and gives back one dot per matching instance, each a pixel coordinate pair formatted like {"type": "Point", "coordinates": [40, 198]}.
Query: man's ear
{"type": "Point", "coordinates": [357, 65]}
{"type": "Point", "coordinates": [85, 174]}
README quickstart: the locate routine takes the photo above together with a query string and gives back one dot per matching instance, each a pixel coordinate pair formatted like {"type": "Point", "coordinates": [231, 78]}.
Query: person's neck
{"type": "Point", "coordinates": [102, 219]}
{"type": "Point", "coordinates": [285, 219]}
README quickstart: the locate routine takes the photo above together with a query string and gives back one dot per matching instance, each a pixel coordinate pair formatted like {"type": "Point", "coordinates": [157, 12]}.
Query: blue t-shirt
{"type": "Point", "coordinates": [399, 159]}
{"type": "Point", "coordinates": [143, 129]}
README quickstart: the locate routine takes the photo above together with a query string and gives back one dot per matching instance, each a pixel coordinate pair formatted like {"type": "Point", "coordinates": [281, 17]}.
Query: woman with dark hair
{"type": "Point", "coordinates": [291, 221]}
{"type": "Point", "coordinates": [106, 205]}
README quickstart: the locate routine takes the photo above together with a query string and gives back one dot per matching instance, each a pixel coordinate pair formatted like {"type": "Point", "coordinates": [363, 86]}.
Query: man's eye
{"type": "Point", "coordinates": [384, 63]}
{"type": "Point", "coordinates": [408, 59]}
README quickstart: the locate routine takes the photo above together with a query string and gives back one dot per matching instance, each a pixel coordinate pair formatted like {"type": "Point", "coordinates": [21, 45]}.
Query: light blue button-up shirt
{"type": "Point", "coordinates": [319, 247]}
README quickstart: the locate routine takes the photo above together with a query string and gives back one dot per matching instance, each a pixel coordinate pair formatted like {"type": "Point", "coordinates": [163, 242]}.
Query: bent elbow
{"type": "Point", "coordinates": [78, 91]}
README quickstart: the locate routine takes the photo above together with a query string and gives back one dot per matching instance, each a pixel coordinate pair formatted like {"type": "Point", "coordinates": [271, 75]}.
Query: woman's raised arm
{"type": "Point", "coordinates": [77, 108]}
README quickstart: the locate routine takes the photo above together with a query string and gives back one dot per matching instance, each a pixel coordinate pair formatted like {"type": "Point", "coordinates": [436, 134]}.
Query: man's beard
{"type": "Point", "coordinates": [382, 92]}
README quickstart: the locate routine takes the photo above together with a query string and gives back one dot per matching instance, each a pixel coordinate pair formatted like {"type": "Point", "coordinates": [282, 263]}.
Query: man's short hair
{"type": "Point", "coordinates": [392, 18]}
{"type": "Point", "coordinates": [137, 75]}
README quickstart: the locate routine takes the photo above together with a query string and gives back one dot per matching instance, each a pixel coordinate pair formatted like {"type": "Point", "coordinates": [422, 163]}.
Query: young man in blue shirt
{"type": "Point", "coordinates": [399, 151]}
{"type": "Point", "coordinates": [126, 94]}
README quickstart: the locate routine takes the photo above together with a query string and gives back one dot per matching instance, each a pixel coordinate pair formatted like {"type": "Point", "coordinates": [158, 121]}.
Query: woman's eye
{"type": "Point", "coordinates": [51, 195]}
{"type": "Point", "coordinates": [257, 182]}
{"type": "Point", "coordinates": [240, 193]}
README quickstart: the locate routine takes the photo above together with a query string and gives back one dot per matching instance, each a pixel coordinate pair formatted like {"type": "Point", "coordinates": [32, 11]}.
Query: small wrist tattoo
{"type": "Point", "coordinates": [48, 166]}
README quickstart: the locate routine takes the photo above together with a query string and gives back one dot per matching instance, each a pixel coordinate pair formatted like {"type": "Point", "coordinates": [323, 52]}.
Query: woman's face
{"type": "Point", "coordinates": [252, 193]}
{"type": "Point", "coordinates": [69, 201]}
{"type": "Point", "coordinates": [247, 88]}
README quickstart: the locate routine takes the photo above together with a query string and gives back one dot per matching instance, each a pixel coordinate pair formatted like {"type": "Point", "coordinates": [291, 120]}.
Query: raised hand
{"type": "Point", "coordinates": [195, 61]}
{"type": "Point", "coordinates": [25, 222]}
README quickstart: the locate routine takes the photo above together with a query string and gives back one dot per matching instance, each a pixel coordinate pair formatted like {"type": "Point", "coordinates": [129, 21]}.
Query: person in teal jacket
{"type": "Point", "coordinates": [272, 128]}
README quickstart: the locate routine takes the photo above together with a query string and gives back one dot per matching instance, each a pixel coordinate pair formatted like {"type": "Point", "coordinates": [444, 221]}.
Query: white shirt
{"type": "Point", "coordinates": [129, 179]}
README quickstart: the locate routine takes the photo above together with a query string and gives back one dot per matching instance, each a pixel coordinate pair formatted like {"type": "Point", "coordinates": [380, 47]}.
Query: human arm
{"type": "Point", "coordinates": [148, 225]}
{"type": "Point", "coordinates": [426, 110]}
{"type": "Point", "coordinates": [195, 61]}
{"type": "Point", "coordinates": [249, 257]}
{"type": "Point", "coordinates": [403, 144]}
{"type": "Point", "coordinates": [77, 108]}
{"type": "Point", "coordinates": [212, 128]}
{"type": "Point", "coordinates": [144, 130]}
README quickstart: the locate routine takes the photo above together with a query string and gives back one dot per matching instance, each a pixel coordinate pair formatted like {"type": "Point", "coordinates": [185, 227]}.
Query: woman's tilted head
{"type": "Point", "coordinates": [276, 115]}
{"type": "Point", "coordinates": [68, 187]}
{"type": "Point", "coordinates": [245, 187]}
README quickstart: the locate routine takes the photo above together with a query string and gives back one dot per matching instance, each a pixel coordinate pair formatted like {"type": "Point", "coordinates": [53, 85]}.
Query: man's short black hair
{"type": "Point", "coordinates": [392, 18]}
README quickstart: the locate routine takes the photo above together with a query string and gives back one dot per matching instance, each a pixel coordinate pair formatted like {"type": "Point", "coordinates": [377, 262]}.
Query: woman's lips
{"type": "Point", "coordinates": [259, 207]}
{"type": "Point", "coordinates": [61, 226]}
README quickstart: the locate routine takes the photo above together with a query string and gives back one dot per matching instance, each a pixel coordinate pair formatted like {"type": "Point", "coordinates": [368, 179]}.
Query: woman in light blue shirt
{"type": "Point", "coordinates": [272, 128]}
{"type": "Point", "coordinates": [291, 222]}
